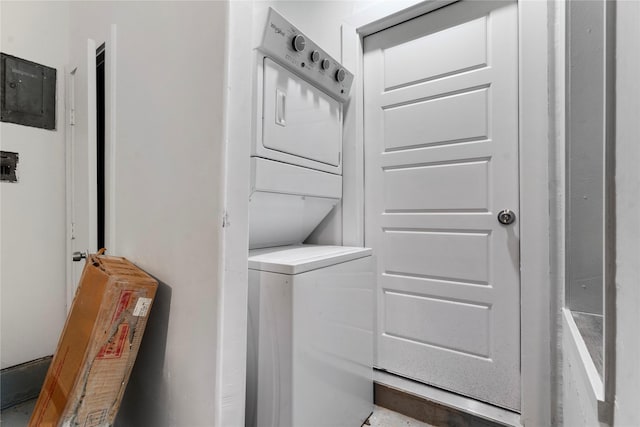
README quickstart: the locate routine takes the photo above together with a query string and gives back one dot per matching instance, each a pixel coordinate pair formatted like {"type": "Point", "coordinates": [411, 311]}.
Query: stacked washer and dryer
{"type": "Point", "coordinates": [311, 318]}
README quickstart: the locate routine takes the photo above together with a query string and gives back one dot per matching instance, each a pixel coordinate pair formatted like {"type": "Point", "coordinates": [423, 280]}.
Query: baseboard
{"type": "Point", "coordinates": [23, 382]}
{"type": "Point", "coordinates": [435, 406]}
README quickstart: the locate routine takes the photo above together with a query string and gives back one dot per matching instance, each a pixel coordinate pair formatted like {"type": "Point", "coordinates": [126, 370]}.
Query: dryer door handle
{"type": "Point", "coordinates": [281, 107]}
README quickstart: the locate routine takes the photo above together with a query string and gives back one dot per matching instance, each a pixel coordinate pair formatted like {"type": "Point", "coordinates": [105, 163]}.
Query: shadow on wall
{"type": "Point", "coordinates": [145, 400]}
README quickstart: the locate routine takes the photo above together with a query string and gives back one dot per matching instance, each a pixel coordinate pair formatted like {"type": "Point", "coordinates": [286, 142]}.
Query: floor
{"type": "Point", "coordinates": [18, 416]}
{"type": "Point", "coordinates": [383, 417]}
{"type": "Point", "coordinates": [590, 327]}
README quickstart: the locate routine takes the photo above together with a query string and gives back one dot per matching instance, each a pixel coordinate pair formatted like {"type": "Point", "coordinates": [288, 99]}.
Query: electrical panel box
{"type": "Point", "coordinates": [8, 166]}
{"type": "Point", "coordinates": [28, 93]}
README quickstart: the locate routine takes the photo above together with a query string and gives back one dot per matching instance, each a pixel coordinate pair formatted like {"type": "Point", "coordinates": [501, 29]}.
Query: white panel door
{"type": "Point", "coordinates": [441, 153]}
{"type": "Point", "coordinates": [82, 159]}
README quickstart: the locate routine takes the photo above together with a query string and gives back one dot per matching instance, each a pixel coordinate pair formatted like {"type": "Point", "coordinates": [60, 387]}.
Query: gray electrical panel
{"type": "Point", "coordinates": [28, 93]}
{"type": "Point", "coordinates": [8, 166]}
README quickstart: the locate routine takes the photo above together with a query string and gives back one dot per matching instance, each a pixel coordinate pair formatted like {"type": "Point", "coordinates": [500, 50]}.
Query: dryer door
{"type": "Point", "coordinates": [299, 119]}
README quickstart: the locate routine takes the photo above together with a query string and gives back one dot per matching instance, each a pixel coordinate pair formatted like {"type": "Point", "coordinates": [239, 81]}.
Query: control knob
{"type": "Point", "coordinates": [340, 75]}
{"type": "Point", "coordinates": [298, 43]}
{"type": "Point", "coordinates": [315, 56]}
{"type": "Point", "coordinates": [325, 64]}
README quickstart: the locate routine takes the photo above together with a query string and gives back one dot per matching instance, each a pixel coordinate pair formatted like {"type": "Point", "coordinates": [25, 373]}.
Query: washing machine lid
{"type": "Point", "coordinates": [296, 259]}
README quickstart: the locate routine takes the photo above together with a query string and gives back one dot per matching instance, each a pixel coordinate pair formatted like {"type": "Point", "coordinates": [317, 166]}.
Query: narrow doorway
{"type": "Point", "coordinates": [86, 162]}
{"type": "Point", "coordinates": [100, 142]}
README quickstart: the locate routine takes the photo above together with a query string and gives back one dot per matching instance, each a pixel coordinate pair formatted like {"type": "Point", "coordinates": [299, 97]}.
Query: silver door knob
{"type": "Point", "coordinates": [506, 216]}
{"type": "Point", "coordinates": [77, 256]}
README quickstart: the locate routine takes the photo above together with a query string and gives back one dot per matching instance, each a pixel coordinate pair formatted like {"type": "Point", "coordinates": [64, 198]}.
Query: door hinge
{"type": "Point", "coordinates": [73, 231]}
{"type": "Point", "coordinates": [72, 117]}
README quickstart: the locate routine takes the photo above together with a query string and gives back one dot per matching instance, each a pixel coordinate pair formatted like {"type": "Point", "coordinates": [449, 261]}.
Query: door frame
{"type": "Point", "coordinates": [71, 139]}
{"type": "Point", "coordinates": [110, 150]}
{"type": "Point", "coordinates": [537, 315]}
{"type": "Point", "coordinates": [70, 84]}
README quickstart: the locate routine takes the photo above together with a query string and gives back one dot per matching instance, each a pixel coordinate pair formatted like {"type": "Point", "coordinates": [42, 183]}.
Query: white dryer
{"type": "Point", "coordinates": [310, 336]}
{"type": "Point", "coordinates": [296, 155]}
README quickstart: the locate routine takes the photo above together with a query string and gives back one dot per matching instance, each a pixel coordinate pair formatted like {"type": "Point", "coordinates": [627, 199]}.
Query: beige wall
{"type": "Point", "coordinates": [32, 225]}
{"type": "Point", "coordinates": [165, 189]}
{"type": "Point", "coordinates": [626, 408]}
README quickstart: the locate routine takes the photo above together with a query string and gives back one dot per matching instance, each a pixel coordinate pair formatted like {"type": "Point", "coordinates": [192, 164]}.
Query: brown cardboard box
{"type": "Point", "coordinates": [91, 367]}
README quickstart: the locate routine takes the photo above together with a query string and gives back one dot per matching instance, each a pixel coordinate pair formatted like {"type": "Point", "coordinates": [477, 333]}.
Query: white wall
{"type": "Point", "coordinates": [585, 151]}
{"type": "Point", "coordinates": [32, 255]}
{"type": "Point", "coordinates": [583, 142]}
{"type": "Point", "coordinates": [579, 407]}
{"type": "Point", "coordinates": [166, 179]}
{"type": "Point", "coordinates": [627, 412]}
{"type": "Point", "coordinates": [581, 384]}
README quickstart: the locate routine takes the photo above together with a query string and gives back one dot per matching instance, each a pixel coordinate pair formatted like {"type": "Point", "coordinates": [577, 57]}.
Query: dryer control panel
{"type": "Point", "coordinates": [286, 44]}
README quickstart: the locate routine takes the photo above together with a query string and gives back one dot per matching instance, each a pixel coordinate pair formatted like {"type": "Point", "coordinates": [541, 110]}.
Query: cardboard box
{"type": "Point", "coordinates": [91, 367]}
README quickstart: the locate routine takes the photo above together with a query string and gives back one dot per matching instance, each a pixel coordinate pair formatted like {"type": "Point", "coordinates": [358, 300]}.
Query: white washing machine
{"type": "Point", "coordinates": [310, 336]}
{"type": "Point", "coordinates": [310, 343]}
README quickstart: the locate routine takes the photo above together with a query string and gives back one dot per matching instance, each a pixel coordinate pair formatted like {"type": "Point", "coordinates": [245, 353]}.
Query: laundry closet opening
{"type": "Point", "coordinates": [310, 306]}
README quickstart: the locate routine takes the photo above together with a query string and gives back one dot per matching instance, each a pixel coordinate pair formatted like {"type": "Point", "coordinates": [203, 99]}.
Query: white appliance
{"type": "Point", "coordinates": [296, 156]}
{"type": "Point", "coordinates": [310, 341]}
{"type": "Point", "coordinates": [310, 336]}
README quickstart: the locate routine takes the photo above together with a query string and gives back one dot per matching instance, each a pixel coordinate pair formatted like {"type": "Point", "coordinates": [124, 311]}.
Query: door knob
{"type": "Point", "coordinates": [506, 216]}
{"type": "Point", "coordinates": [77, 256]}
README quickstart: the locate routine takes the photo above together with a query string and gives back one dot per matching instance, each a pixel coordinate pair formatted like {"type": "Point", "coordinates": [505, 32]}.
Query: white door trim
{"type": "Point", "coordinates": [110, 154]}
{"type": "Point", "coordinates": [536, 287]}
{"type": "Point", "coordinates": [92, 142]}
{"type": "Point", "coordinates": [71, 139]}
{"type": "Point", "coordinates": [110, 141]}
{"type": "Point", "coordinates": [69, 115]}
{"type": "Point", "coordinates": [233, 283]}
